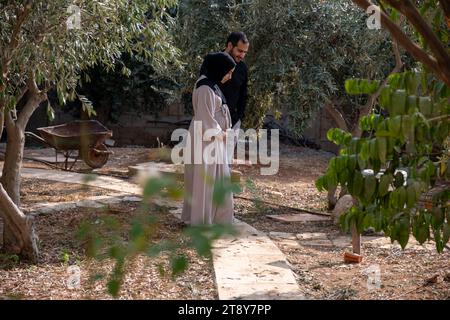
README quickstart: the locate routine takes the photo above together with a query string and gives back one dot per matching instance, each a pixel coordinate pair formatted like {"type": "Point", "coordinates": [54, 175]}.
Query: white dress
{"type": "Point", "coordinates": [201, 179]}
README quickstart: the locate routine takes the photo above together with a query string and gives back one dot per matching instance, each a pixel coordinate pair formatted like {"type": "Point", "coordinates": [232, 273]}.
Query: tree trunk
{"type": "Point", "coordinates": [2, 121]}
{"type": "Point", "coordinates": [18, 232]}
{"type": "Point", "coordinates": [19, 236]}
{"type": "Point", "coordinates": [13, 163]}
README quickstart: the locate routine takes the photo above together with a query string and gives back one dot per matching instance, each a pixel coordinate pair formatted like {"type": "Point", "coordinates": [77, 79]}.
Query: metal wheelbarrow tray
{"type": "Point", "coordinates": [86, 136]}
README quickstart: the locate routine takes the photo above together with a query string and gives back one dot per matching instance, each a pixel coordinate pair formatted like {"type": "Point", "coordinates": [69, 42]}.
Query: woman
{"type": "Point", "coordinates": [209, 124]}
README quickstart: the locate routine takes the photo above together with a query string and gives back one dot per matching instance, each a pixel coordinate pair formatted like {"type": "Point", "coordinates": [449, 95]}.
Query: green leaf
{"type": "Point", "coordinates": [365, 150]}
{"type": "Point", "coordinates": [153, 186]}
{"type": "Point", "coordinates": [398, 101]}
{"type": "Point", "coordinates": [61, 97]}
{"type": "Point", "coordinates": [425, 106]}
{"type": "Point", "coordinates": [114, 287]}
{"type": "Point", "coordinates": [361, 86]}
{"type": "Point", "coordinates": [370, 185]}
{"type": "Point", "coordinates": [406, 127]}
{"type": "Point", "coordinates": [179, 264]}
{"type": "Point", "coordinates": [446, 233]}
{"type": "Point", "coordinates": [403, 232]}
{"type": "Point", "coordinates": [402, 197]}
{"type": "Point", "coordinates": [385, 181]}
{"type": "Point", "coordinates": [412, 104]}
{"type": "Point", "coordinates": [411, 195]}
{"type": "Point", "coordinates": [50, 112]}
{"type": "Point", "coordinates": [385, 98]}
{"type": "Point", "coordinates": [394, 125]}
{"type": "Point", "coordinates": [382, 149]}
{"type": "Point", "coordinates": [202, 245]}
{"type": "Point", "coordinates": [412, 81]}
{"type": "Point", "coordinates": [320, 184]}
{"type": "Point", "coordinates": [373, 148]}
{"type": "Point", "coordinates": [421, 231]}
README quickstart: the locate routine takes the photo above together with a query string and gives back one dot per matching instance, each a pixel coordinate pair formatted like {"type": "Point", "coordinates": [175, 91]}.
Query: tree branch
{"type": "Point", "coordinates": [21, 94]}
{"type": "Point", "coordinates": [445, 4]}
{"type": "Point", "coordinates": [373, 98]}
{"type": "Point", "coordinates": [416, 51]}
{"type": "Point", "coordinates": [2, 121]}
{"type": "Point", "coordinates": [414, 17]}
{"type": "Point", "coordinates": [9, 122]}
{"type": "Point", "coordinates": [37, 96]}
{"type": "Point", "coordinates": [337, 116]}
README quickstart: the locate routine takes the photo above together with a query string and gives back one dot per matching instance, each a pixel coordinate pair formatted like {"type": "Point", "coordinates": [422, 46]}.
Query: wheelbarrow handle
{"type": "Point", "coordinates": [37, 138]}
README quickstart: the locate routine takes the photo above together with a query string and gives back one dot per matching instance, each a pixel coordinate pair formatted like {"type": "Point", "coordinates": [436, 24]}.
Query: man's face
{"type": "Point", "coordinates": [238, 53]}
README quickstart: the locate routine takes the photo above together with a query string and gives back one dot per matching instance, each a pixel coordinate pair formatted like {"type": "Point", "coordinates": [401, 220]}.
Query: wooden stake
{"type": "Point", "coordinates": [356, 240]}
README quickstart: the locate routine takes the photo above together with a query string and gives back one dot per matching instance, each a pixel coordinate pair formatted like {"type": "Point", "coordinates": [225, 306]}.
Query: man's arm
{"type": "Point", "coordinates": [242, 101]}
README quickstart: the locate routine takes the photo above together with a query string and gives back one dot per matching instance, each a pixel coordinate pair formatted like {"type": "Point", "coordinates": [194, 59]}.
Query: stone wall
{"type": "Point", "coordinates": [145, 129]}
{"type": "Point", "coordinates": [317, 130]}
{"type": "Point", "coordinates": [132, 128]}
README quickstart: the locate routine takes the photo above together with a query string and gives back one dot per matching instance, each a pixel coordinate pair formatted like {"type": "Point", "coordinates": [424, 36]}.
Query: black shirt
{"type": "Point", "coordinates": [235, 91]}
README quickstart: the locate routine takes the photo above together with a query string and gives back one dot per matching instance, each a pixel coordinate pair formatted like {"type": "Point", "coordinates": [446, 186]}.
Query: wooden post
{"type": "Point", "coordinates": [356, 240]}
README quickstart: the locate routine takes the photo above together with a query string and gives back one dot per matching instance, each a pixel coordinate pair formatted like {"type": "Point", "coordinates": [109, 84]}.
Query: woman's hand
{"type": "Point", "coordinates": [222, 136]}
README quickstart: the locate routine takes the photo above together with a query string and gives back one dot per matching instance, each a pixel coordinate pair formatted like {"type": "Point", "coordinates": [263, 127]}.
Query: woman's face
{"type": "Point", "coordinates": [227, 76]}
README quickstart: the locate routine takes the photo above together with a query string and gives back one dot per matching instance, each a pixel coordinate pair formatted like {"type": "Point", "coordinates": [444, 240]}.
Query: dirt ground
{"type": "Point", "coordinates": [415, 273]}
{"type": "Point", "coordinates": [386, 272]}
{"type": "Point", "coordinates": [146, 277]}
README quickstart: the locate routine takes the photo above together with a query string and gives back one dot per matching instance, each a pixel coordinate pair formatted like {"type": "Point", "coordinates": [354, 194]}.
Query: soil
{"type": "Point", "coordinates": [36, 191]}
{"type": "Point", "coordinates": [418, 272]}
{"type": "Point", "coordinates": [145, 278]}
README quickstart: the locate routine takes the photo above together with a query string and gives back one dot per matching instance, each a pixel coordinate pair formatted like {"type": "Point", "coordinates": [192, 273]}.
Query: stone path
{"type": "Point", "coordinates": [322, 240]}
{"type": "Point", "coordinates": [247, 266]}
{"type": "Point", "coordinates": [104, 182]}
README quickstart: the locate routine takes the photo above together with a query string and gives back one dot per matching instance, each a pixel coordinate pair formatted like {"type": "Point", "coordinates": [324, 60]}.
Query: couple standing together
{"type": "Point", "coordinates": [219, 100]}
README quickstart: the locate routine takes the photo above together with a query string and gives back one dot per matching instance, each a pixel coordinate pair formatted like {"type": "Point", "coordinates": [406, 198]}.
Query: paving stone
{"type": "Point", "coordinates": [132, 199]}
{"type": "Point", "coordinates": [317, 243]}
{"type": "Point", "coordinates": [286, 243]}
{"type": "Point", "coordinates": [88, 204]}
{"type": "Point", "coordinates": [104, 182]}
{"type": "Point", "coordinates": [282, 235]}
{"type": "Point", "coordinates": [250, 266]}
{"type": "Point", "coordinates": [109, 201]}
{"type": "Point", "coordinates": [303, 217]}
{"type": "Point", "coordinates": [311, 235]}
{"type": "Point", "coordinates": [52, 207]}
{"type": "Point", "coordinates": [342, 242]}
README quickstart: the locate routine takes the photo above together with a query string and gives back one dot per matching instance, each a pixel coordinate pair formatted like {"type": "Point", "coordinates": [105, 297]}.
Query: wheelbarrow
{"type": "Point", "coordinates": [85, 136]}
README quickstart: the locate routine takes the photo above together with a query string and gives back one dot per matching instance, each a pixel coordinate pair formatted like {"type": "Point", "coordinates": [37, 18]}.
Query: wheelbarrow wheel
{"type": "Point", "coordinates": [96, 156]}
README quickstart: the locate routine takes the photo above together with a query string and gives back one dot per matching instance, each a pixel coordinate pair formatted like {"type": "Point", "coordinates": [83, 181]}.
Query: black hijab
{"type": "Point", "coordinates": [216, 65]}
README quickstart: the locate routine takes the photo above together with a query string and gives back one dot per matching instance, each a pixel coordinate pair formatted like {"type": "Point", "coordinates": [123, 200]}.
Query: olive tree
{"type": "Point", "coordinates": [46, 45]}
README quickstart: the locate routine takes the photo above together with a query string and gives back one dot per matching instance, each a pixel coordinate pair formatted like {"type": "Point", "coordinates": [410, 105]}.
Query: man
{"type": "Point", "coordinates": [235, 90]}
